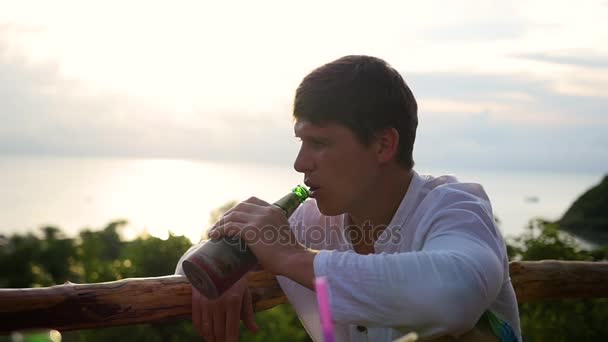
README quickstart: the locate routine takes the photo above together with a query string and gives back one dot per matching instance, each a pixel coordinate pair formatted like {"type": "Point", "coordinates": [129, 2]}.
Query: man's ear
{"type": "Point", "coordinates": [387, 145]}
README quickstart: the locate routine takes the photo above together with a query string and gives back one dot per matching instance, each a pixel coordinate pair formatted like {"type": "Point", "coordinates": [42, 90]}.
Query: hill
{"type": "Point", "coordinates": [587, 218]}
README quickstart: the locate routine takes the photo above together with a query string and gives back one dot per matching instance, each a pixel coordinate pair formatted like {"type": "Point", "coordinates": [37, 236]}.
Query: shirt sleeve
{"type": "Point", "coordinates": [441, 289]}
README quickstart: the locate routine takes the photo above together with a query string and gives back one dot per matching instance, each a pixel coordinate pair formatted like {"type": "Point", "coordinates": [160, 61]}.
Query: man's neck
{"type": "Point", "coordinates": [374, 214]}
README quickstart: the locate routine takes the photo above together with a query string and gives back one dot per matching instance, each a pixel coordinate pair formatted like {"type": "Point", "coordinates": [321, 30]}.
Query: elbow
{"type": "Point", "coordinates": [457, 322]}
{"type": "Point", "coordinates": [455, 313]}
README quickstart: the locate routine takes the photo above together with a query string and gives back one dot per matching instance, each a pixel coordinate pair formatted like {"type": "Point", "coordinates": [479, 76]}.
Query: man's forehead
{"type": "Point", "coordinates": [305, 127]}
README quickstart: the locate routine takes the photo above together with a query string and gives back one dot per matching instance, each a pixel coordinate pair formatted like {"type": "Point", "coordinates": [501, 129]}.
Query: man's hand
{"type": "Point", "coordinates": [266, 231]}
{"type": "Point", "coordinates": [264, 228]}
{"type": "Point", "coordinates": [218, 320]}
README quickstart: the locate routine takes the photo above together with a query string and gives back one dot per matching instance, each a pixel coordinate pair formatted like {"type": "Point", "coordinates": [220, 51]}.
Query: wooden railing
{"type": "Point", "coordinates": [152, 300]}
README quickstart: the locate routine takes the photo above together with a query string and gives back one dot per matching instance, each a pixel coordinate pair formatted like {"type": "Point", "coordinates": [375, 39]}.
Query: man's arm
{"type": "Point", "coordinates": [299, 267]}
{"type": "Point", "coordinates": [442, 289]}
{"type": "Point", "coordinates": [218, 320]}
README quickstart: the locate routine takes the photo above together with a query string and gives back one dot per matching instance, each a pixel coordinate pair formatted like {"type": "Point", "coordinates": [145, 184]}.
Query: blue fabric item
{"type": "Point", "coordinates": [500, 328]}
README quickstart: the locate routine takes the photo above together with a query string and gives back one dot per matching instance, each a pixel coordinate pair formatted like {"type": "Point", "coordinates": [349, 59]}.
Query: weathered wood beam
{"type": "Point", "coordinates": [152, 300]}
{"type": "Point", "coordinates": [128, 301]}
{"type": "Point", "coordinates": [556, 279]}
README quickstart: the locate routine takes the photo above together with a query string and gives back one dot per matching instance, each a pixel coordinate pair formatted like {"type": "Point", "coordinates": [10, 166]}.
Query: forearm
{"type": "Point", "coordinates": [299, 267]}
{"type": "Point", "coordinates": [431, 292]}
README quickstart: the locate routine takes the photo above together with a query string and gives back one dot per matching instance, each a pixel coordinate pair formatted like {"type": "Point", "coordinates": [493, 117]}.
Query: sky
{"type": "Point", "coordinates": [500, 84]}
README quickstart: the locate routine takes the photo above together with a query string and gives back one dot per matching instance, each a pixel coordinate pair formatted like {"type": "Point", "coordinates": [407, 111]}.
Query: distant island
{"type": "Point", "coordinates": [587, 218]}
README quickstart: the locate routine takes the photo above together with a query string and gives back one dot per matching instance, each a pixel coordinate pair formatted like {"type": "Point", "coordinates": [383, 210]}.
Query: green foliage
{"type": "Point", "coordinates": [151, 256]}
{"type": "Point", "coordinates": [97, 251]}
{"type": "Point", "coordinates": [29, 261]}
{"type": "Point", "coordinates": [50, 258]}
{"type": "Point", "coordinates": [544, 240]}
{"type": "Point", "coordinates": [277, 324]}
{"type": "Point", "coordinates": [560, 320]}
{"type": "Point", "coordinates": [100, 255]}
{"type": "Point", "coordinates": [166, 332]}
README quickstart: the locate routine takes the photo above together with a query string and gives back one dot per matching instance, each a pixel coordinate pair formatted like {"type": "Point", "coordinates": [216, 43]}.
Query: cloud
{"type": "Point", "coordinates": [481, 142]}
{"type": "Point", "coordinates": [42, 112]}
{"type": "Point", "coordinates": [466, 120]}
{"type": "Point", "coordinates": [583, 59]}
{"type": "Point", "coordinates": [510, 121]}
{"type": "Point", "coordinates": [474, 21]}
{"type": "Point", "coordinates": [482, 30]}
{"type": "Point", "coordinates": [521, 98]}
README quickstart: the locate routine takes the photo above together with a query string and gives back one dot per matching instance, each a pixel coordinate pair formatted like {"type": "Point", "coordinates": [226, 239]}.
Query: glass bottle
{"type": "Point", "coordinates": [217, 264]}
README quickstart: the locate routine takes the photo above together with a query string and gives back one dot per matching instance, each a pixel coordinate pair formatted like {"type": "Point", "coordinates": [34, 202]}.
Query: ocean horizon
{"type": "Point", "coordinates": [162, 196]}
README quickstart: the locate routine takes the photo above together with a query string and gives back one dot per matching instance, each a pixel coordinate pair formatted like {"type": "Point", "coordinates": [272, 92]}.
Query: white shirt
{"type": "Point", "coordinates": [437, 267]}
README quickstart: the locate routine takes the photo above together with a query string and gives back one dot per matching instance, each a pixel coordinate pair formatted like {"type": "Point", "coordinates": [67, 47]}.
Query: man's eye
{"type": "Point", "coordinates": [314, 143]}
{"type": "Point", "coordinates": [317, 143]}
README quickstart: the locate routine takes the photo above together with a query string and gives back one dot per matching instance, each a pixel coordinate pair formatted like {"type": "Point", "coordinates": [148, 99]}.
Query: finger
{"type": "Point", "coordinates": [196, 311]}
{"type": "Point", "coordinates": [235, 216]}
{"type": "Point", "coordinates": [244, 207]}
{"type": "Point", "coordinates": [216, 232]}
{"type": "Point", "coordinates": [230, 210]}
{"type": "Point", "coordinates": [260, 207]}
{"type": "Point", "coordinates": [219, 322]}
{"type": "Point", "coordinates": [256, 207]}
{"type": "Point", "coordinates": [233, 313]}
{"type": "Point", "coordinates": [206, 320]}
{"type": "Point", "coordinates": [248, 205]}
{"type": "Point", "coordinates": [247, 313]}
{"type": "Point", "coordinates": [245, 212]}
{"type": "Point", "coordinates": [227, 217]}
{"type": "Point", "coordinates": [227, 229]}
{"type": "Point", "coordinates": [256, 201]}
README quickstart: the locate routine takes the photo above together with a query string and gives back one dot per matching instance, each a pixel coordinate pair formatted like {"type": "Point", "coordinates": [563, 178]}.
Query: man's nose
{"type": "Point", "coordinates": [303, 162]}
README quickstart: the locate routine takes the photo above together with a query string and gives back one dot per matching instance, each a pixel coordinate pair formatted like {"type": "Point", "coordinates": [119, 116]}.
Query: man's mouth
{"type": "Point", "coordinates": [312, 188]}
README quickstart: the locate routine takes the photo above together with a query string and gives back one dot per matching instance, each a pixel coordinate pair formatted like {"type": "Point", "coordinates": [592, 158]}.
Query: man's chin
{"type": "Point", "coordinates": [329, 210]}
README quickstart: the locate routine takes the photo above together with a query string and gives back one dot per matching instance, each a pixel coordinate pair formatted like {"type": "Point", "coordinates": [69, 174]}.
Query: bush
{"type": "Point", "coordinates": [559, 320]}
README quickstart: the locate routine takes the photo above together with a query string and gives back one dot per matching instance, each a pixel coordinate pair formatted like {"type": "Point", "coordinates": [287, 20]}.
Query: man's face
{"type": "Point", "coordinates": [338, 168]}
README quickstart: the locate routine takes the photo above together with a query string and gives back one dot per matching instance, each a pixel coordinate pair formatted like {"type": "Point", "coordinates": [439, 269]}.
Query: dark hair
{"type": "Point", "coordinates": [363, 93]}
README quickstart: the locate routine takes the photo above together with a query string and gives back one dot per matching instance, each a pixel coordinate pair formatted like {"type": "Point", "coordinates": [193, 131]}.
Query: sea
{"type": "Point", "coordinates": [170, 196]}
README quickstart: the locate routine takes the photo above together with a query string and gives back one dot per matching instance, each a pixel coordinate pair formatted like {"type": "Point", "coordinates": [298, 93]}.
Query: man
{"type": "Point", "coordinates": [402, 252]}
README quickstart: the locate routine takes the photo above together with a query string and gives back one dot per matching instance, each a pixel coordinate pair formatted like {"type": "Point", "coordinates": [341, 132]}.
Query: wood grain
{"type": "Point", "coordinates": [152, 300]}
